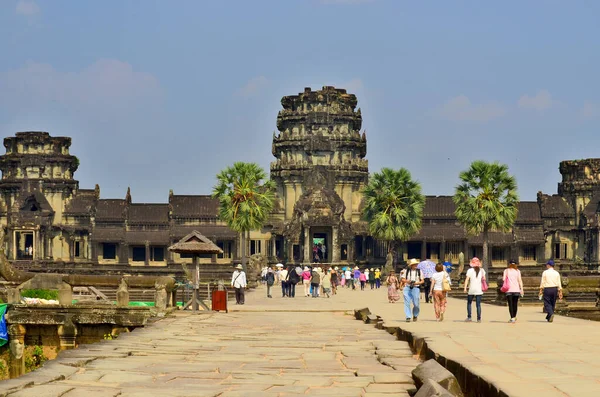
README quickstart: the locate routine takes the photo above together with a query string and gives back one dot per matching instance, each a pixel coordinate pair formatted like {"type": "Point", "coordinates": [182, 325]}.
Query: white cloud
{"type": "Point", "coordinates": [27, 8]}
{"type": "Point", "coordinates": [590, 110]}
{"type": "Point", "coordinates": [541, 101]}
{"type": "Point", "coordinates": [106, 85]}
{"type": "Point", "coordinates": [460, 108]}
{"type": "Point", "coordinates": [252, 87]}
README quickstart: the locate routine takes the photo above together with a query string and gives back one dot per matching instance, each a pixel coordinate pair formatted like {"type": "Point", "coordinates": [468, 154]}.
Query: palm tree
{"type": "Point", "coordinates": [486, 200]}
{"type": "Point", "coordinates": [245, 197]}
{"type": "Point", "coordinates": [393, 206]}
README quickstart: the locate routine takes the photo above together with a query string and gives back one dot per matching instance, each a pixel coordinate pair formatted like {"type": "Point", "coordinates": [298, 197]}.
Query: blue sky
{"type": "Point", "coordinates": [161, 95]}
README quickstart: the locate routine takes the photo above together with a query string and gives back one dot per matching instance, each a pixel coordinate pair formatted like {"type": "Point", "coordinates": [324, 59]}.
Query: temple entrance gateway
{"type": "Point", "coordinates": [24, 244]}
{"type": "Point", "coordinates": [321, 244]}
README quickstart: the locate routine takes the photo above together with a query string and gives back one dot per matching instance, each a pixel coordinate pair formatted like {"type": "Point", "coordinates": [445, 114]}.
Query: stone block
{"type": "Point", "coordinates": [361, 314]}
{"type": "Point", "coordinates": [371, 319]}
{"type": "Point", "coordinates": [13, 295]}
{"type": "Point", "coordinates": [65, 294]}
{"type": "Point", "coordinates": [431, 389]}
{"type": "Point", "coordinates": [431, 369]}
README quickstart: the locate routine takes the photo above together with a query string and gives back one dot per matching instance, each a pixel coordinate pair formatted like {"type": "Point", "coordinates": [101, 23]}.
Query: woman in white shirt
{"type": "Point", "coordinates": [475, 277]}
{"type": "Point", "coordinates": [437, 291]}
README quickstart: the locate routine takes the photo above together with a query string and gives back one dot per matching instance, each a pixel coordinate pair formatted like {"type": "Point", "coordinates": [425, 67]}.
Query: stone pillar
{"type": "Point", "coordinates": [71, 246]}
{"type": "Point", "coordinates": [307, 246]}
{"type": "Point", "coordinates": [67, 334]}
{"type": "Point", "coordinates": [12, 245]}
{"type": "Point", "coordinates": [364, 247]}
{"type": "Point", "coordinates": [50, 247]}
{"type": "Point", "coordinates": [147, 256]}
{"type": "Point", "coordinates": [16, 337]}
{"type": "Point", "coordinates": [423, 250]}
{"type": "Point", "coordinates": [443, 251]}
{"type": "Point", "coordinates": [13, 295]}
{"type": "Point", "coordinates": [335, 246]}
{"type": "Point", "coordinates": [65, 294]}
{"type": "Point", "coordinates": [351, 251]}
{"type": "Point", "coordinates": [123, 294]}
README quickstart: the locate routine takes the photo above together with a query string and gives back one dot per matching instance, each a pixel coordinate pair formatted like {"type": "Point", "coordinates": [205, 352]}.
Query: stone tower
{"type": "Point", "coordinates": [320, 170]}
{"type": "Point", "coordinates": [37, 179]}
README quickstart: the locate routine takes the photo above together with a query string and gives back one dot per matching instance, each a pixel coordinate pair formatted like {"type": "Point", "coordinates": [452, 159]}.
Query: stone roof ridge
{"type": "Point", "coordinates": [111, 209]}
{"type": "Point", "coordinates": [529, 211]}
{"type": "Point", "coordinates": [148, 213]}
{"type": "Point", "coordinates": [554, 205]}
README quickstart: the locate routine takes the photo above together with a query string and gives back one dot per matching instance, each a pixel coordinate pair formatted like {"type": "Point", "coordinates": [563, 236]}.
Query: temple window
{"type": "Point", "coordinates": [109, 251]}
{"type": "Point", "coordinates": [77, 249]}
{"type": "Point", "coordinates": [157, 254]}
{"type": "Point", "coordinates": [24, 242]}
{"type": "Point", "coordinates": [560, 251]}
{"type": "Point", "coordinates": [138, 253]}
{"type": "Point", "coordinates": [344, 252]}
{"type": "Point", "coordinates": [227, 247]}
{"type": "Point", "coordinates": [255, 247]}
{"type": "Point", "coordinates": [529, 253]}
{"type": "Point", "coordinates": [498, 254]}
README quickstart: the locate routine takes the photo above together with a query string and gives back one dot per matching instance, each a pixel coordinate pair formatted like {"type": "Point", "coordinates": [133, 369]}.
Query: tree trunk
{"type": "Point", "coordinates": [244, 250]}
{"type": "Point", "coordinates": [485, 258]}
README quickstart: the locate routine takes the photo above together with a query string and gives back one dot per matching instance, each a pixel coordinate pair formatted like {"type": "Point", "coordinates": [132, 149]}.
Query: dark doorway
{"type": "Point", "coordinates": [358, 247]}
{"type": "Point", "coordinates": [414, 249]}
{"type": "Point", "coordinates": [24, 245]}
{"type": "Point", "coordinates": [320, 248]}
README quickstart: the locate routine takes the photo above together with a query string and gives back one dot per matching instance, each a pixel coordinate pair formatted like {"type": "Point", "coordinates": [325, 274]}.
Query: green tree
{"type": "Point", "coordinates": [486, 200]}
{"type": "Point", "coordinates": [393, 206]}
{"type": "Point", "coordinates": [245, 197]}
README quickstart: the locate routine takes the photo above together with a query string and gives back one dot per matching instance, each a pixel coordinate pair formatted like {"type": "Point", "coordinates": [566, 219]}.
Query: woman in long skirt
{"type": "Point", "coordinates": [392, 282]}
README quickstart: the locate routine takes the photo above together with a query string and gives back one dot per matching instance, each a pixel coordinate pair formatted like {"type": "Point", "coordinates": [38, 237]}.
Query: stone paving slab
{"type": "Point", "coordinates": [259, 353]}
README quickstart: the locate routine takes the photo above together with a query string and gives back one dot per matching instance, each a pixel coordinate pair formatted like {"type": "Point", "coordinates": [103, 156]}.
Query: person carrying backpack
{"type": "Point", "coordinates": [292, 280]}
{"type": "Point", "coordinates": [412, 279]}
{"type": "Point", "coordinates": [270, 280]}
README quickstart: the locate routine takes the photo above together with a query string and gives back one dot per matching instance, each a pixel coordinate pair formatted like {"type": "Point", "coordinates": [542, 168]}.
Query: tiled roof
{"type": "Point", "coordinates": [530, 235]}
{"type": "Point", "coordinates": [495, 238]}
{"type": "Point", "coordinates": [438, 207]}
{"type": "Point", "coordinates": [210, 231]}
{"type": "Point", "coordinates": [149, 213]}
{"type": "Point", "coordinates": [152, 236]}
{"type": "Point", "coordinates": [111, 209]}
{"type": "Point", "coordinates": [440, 233]}
{"type": "Point", "coordinates": [529, 211]}
{"type": "Point", "coordinates": [108, 234]}
{"type": "Point", "coordinates": [82, 203]}
{"type": "Point", "coordinates": [555, 206]}
{"type": "Point", "coordinates": [194, 206]}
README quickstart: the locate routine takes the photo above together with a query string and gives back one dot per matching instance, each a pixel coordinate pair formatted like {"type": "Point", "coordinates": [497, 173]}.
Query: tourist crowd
{"type": "Point", "coordinates": [428, 277]}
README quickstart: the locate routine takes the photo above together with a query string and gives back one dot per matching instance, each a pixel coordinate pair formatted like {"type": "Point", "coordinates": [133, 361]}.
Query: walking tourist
{"type": "Point", "coordinates": [348, 277]}
{"type": "Point", "coordinates": [292, 280]}
{"type": "Point", "coordinates": [367, 272]}
{"type": "Point", "coordinates": [412, 280]}
{"type": "Point", "coordinates": [283, 273]}
{"type": "Point", "coordinates": [363, 280]}
{"type": "Point", "coordinates": [550, 288]}
{"type": "Point", "coordinates": [437, 292]}
{"type": "Point", "coordinates": [475, 277]}
{"type": "Point", "coordinates": [427, 268]}
{"type": "Point", "coordinates": [270, 280]}
{"type": "Point", "coordinates": [238, 282]}
{"type": "Point", "coordinates": [377, 278]}
{"type": "Point", "coordinates": [393, 284]}
{"type": "Point", "coordinates": [324, 252]}
{"type": "Point", "coordinates": [356, 275]}
{"type": "Point", "coordinates": [315, 281]}
{"type": "Point", "coordinates": [326, 282]}
{"type": "Point", "coordinates": [372, 278]}
{"type": "Point", "coordinates": [306, 281]}
{"type": "Point", "coordinates": [512, 276]}
{"type": "Point", "coordinates": [334, 280]}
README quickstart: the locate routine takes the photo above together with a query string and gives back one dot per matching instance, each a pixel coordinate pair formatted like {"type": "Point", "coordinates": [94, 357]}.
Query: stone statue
{"type": "Point", "coordinates": [461, 263]}
{"type": "Point", "coordinates": [389, 263]}
{"type": "Point", "coordinates": [255, 265]}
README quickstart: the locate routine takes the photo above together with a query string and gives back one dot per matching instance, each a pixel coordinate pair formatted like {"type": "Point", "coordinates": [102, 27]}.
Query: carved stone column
{"type": "Point", "coordinates": [335, 246]}
{"type": "Point", "coordinates": [16, 337]}
{"type": "Point", "coordinates": [423, 250]}
{"type": "Point", "coordinates": [67, 333]}
{"type": "Point", "coordinates": [307, 246]}
{"type": "Point", "coordinates": [147, 256]}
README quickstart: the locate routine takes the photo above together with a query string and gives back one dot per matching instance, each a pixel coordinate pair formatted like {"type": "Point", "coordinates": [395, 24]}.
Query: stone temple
{"type": "Point", "coordinates": [49, 223]}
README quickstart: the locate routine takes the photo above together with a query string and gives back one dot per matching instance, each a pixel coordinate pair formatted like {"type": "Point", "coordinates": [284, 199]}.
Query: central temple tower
{"type": "Point", "coordinates": [320, 170]}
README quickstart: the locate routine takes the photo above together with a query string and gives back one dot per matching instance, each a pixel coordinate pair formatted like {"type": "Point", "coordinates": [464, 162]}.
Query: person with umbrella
{"type": "Point", "coordinates": [427, 268]}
